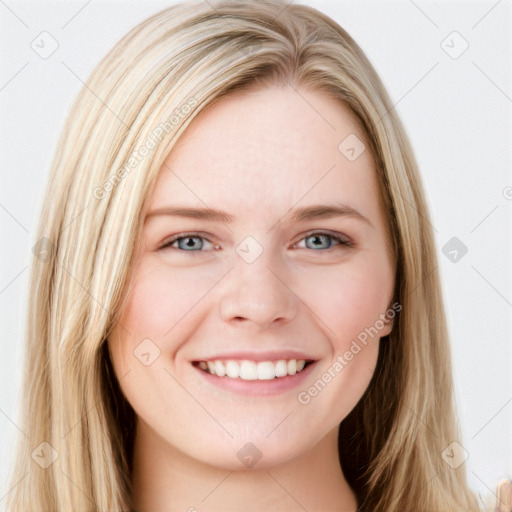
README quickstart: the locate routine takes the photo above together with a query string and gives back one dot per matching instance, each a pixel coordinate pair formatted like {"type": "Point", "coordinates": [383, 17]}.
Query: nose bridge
{"type": "Point", "coordinates": [257, 292]}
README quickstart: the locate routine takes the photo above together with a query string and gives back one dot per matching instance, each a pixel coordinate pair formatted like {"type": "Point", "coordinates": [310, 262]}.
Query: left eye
{"type": "Point", "coordinates": [186, 243]}
{"type": "Point", "coordinates": [318, 237]}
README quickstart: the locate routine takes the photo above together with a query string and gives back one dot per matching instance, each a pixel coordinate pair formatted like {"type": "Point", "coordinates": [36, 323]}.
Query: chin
{"type": "Point", "coordinates": [259, 454]}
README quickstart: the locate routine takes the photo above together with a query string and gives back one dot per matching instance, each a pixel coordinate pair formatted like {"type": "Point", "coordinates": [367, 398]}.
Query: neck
{"type": "Point", "coordinates": [165, 479]}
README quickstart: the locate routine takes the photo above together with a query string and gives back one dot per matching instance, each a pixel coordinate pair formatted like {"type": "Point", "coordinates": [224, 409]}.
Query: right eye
{"type": "Point", "coordinates": [186, 242]}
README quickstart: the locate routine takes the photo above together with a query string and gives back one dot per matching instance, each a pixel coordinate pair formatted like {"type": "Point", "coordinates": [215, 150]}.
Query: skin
{"type": "Point", "coordinates": [256, 154]}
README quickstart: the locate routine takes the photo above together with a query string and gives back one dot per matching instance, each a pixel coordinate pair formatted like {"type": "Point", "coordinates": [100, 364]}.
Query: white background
{"type": "Point", "coordinates": [457, 112]}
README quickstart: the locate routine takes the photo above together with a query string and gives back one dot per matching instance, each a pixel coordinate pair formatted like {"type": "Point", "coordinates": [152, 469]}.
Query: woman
{"type": "Point", "coordinates": [254, 371]}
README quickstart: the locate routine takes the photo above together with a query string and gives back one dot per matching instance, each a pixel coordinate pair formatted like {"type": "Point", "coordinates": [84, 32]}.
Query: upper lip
{"type": "Point", "coordinates": [272, 355]}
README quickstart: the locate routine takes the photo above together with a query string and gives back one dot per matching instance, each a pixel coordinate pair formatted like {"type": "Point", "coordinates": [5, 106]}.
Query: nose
{"type": "Point", "coordinates": [258, 293]}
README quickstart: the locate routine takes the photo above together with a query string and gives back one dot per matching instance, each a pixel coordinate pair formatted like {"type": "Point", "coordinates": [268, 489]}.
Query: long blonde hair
{"type": "Point", "coordinates": [143, 94]}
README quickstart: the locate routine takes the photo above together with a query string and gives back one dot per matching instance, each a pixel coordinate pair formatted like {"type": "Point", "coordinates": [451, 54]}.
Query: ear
{"type": "Point", "coordinates": [388, 327]}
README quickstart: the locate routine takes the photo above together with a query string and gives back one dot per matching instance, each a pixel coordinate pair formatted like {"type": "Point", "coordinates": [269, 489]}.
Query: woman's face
{"type": "Point", "coordinates": [272, 283]}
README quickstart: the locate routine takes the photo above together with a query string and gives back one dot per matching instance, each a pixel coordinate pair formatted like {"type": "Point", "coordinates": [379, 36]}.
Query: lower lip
{"type": "Point", "coordinates": [258, 387]}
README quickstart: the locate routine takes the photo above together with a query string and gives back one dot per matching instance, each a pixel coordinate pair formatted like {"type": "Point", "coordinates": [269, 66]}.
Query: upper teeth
{"type": "Point", "coordinates": [252, 370]}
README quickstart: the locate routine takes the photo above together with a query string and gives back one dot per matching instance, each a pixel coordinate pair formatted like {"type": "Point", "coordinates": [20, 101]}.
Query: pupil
{"type": "Point", "coordinates": [317, 240]}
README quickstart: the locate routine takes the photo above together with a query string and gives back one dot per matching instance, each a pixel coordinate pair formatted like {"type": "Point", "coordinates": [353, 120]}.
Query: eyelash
{"type": "Point", "coordinates": [341, 239]}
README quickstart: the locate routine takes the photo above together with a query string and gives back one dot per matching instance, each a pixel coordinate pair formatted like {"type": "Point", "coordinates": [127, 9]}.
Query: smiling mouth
{"type": "Point", "coordinates": [253, 370]}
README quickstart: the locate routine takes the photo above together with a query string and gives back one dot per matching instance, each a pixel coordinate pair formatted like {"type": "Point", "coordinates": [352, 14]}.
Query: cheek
{"type": "Point", "coordinates": [352, 299]}
{"type": "Point", "coordinates": [155, 319]}
{"type": "Point", "coordinates": [349, 306]}
{"type": "Point", "coordinates": [163, 306]}
{"type": "Point", "coordinates": [160, 299]}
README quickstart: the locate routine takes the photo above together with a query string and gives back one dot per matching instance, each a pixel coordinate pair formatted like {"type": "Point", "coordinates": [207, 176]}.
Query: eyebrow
{"type": "Point", "coordinates": [316, 211]}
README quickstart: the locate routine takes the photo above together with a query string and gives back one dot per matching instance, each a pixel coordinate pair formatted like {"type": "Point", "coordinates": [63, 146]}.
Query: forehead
{"type": "Point", "coordinates": [262, 151]}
